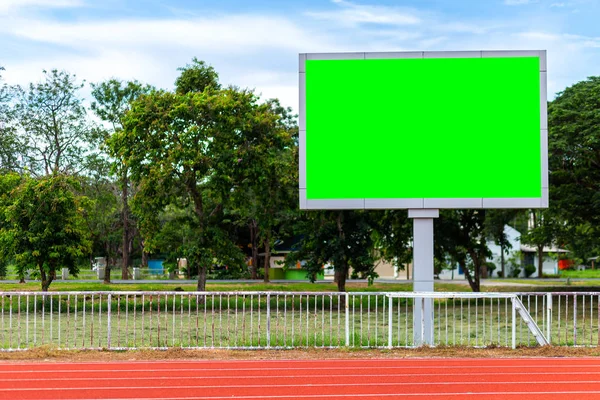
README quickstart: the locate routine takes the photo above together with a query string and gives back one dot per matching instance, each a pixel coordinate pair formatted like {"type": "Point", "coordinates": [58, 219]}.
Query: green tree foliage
{"type": "Point", "coordinates": [574, 163]}
{"type": "Point", "coordinates": [10, 145]}
{"type": "Point", "coordinates": [543, 230]}
{"type": "Point", "coordinates": [103, 216]}
{"type": "Point", "coordinates": [8, 182]}
{"type": "Point", "coordinates": [111, 101]}
{"type": "Point", "coordinates": [267, 195]}
{"type": "Point", "coordinates": [55, 129]}
{"type": "Point", "coordinates": [393, 237]}
{"type": "Point", "coordinates": [495, 222]}
{"type": "Point", "coordinates": [196, 77]}
{"type": "Point", "coordinates": [43, 225]}
{"type": "Point", "coordinates": [460, 235]}
{"type": "Point", "coordinates": [191, 145]}
{"type": "Point", "coordinates": [343, 239]}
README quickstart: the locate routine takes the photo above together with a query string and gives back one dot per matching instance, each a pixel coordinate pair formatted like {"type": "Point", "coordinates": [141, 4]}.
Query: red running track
{"type": "Point", "coordinates": [371, 379]}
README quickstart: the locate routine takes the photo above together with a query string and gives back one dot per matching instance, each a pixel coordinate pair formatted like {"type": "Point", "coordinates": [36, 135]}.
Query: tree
{"type": "Point", "coordinates": [103, 216]}
{"type": "Point", "coordinates": [574, 162]}
{"type": "Point", "coordinates": [44, 226]}
{"type": "Point", "coordinates": [111, 101]}
{"type": "Point", "coordinates": [495, 222]}
{"type": "Point", "coordinates": [343, 239]}
{"type": "Point", "coordinates": [393, 237]}
{"type": "Point", "coordinates": [268, 192]}
{"type": "Point", "coordinates": [10, 145]}
{"type": "Point", "coordinates": [57, 134]}
{"type": "Point", "coordinates": [542, 232]}
{"type": "Point", "coordinates": [196, 77]}
{"type": "Point", "coordinates": [190, 144]}
{"type": "Point", "coordinates": [459, 234]}
{"type": "Point", "coordinates": [8, 183]}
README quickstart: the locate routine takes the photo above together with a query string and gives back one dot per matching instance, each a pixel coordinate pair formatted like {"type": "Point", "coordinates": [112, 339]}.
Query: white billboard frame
{"type": "Point", "coordinates": [423, 203]}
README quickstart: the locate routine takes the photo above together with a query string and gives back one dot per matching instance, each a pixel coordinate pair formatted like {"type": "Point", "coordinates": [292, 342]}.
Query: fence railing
{"type": "Point", "coordinates": [253, 320]}
{"type": "Point", "coordinates": [566, 318]}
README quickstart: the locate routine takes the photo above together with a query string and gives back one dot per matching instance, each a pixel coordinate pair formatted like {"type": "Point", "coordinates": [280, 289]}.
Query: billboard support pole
{"type": "Point", "coordinates": [423, 273]}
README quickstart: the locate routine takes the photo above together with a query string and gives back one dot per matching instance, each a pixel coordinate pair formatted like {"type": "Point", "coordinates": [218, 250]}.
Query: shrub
{"type": "Point", "coordinates": [515, 272]}
{"type": "Point", "coordinates": [529, 270]}
{"type": "Point", "coordinates": [490, 268]}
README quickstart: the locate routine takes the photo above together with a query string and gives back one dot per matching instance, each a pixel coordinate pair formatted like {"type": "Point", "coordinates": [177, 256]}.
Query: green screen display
{"type": "Point", "coordinates": [423, 128]}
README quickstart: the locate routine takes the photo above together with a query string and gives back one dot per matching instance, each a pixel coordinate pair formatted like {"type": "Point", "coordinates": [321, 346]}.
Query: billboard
{"type": "Point", "coordinates": [423, 130]}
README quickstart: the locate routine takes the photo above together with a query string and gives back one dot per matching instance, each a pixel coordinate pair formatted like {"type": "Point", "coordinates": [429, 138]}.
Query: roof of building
{"type": "Point", "coordinates": [530, 249]}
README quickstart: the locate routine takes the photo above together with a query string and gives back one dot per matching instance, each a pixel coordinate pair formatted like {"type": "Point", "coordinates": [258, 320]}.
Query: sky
{"type": "Point", "coordinates": [255, 43]}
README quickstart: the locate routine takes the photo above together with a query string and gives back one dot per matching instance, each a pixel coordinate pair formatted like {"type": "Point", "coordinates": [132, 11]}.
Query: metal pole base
{"type": "Point", "coordinates": [423, 274]}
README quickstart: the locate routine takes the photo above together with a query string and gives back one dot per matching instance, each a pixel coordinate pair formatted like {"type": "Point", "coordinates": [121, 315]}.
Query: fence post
{"type": "Point", "coordinates": [514, 324]}
{"type": "Point", "coordinates": [549, 316]}
{"type": "Point", "coordinates": [423, 322]}
{"type": "Point", "coordinates": [347, 315]}
{"type": "Point", "coordinates": [575, 320]}
{"type": "Point", "coordinates": [108, 323]}
{"type": "Point", "coordinates": [390, 314]}
{"type": "Point", "coordinates": [268, 320]}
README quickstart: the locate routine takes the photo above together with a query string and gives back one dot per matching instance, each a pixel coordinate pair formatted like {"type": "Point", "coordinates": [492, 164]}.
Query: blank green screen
{"type": "Point", "coordinates": [423, 128]}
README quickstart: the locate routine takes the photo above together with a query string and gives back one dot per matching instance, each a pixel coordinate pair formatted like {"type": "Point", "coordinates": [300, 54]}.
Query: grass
{"type": "Point", "coordinates": [220, 321]}
{"type": "Point", "coordinates": [224, 287]}
{"type": "Point", "coordinates": [241, 321]}
{"type": "Point", "coordinates": [259, 286]}
{"type": "Point", "coordinates": [586, 274]}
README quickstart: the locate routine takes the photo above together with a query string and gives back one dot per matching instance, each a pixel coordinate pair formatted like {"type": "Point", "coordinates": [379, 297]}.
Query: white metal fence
{"type": "Point", "coordinates": [566, 318]}
{"type": "Point", "coordinates": [251, 320]}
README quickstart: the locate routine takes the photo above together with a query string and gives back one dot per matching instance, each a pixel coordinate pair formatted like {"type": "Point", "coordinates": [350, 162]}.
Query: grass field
{"type": "Point", "coordinates": [533, 286]}
{"type": "Point", "coordinates": [299, 320]}
{"type": "Point", "coordinates": [586, 274]}
{"type": "Point", "coordinates": [216, 321]}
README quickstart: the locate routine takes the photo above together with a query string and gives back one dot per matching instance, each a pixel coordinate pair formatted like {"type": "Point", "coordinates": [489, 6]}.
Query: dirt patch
{"type": "Point", "coordinates": [48, 354]}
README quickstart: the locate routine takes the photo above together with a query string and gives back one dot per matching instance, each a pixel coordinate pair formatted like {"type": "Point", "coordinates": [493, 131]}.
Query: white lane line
{"type": "Point", "coordinates": [323, 385]}
{"type": "Point", "coordinates": [518, 367]}
{"type": "Point", "coordinates": [289, 376]}
{"type": "Point", "coordinates": [462, 394]}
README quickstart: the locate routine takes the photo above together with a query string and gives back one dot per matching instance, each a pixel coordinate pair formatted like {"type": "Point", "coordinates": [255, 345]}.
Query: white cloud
{"type": "Point", "coordinates": [354, 14]}
{"type": "Point", "coordinates": [260, 51]}
{"type": "Point", "coordinates": [14, 5]}
{"type": "Point", "coordinates": [152, 50]}
{"type": "Point", "coordinates": [241, 33]}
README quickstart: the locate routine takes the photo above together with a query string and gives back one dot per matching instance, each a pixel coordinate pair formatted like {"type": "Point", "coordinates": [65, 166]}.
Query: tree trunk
{"type": "Point", "coordinates": [126, 233]}
{"type": "Point", "coordinates": [144, 257]}
{"type": "Point", "coordinates": [107, 268]}
{"type": "Point", "coordinates": [474, 284]}
{"type": "Point", "coordinates": [254, 243]}
{"type": "Point", "coordinates": [502, 261]}
{"type": "Point", "coordinates": [540, 254]}
{"type": "Point", "coordinates": [341, 271]}
{"type": "Point", "coordinates": [46, 278]}
{"type": "Point", "coordinates": [340, 278]}
{"type": "Point", "coordinates": [201, 286]}
{"type": "Point", "coordinates": [267, 256]}
{"type": "Point", "coordinates": [107, 272]}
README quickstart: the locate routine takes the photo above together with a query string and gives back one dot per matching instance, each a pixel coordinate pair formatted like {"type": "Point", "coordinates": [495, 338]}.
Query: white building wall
{"type": "Point", "coordinates": [514, 238]}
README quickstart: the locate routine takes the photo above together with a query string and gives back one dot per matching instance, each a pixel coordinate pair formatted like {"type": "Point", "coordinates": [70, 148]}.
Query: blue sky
{"type": "Point", "coordinates": [254, 43]}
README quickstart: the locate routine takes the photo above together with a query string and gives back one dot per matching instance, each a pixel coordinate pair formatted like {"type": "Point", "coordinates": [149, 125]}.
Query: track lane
{"type": "Point", "coordinates": [310, 379]}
